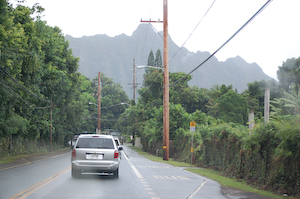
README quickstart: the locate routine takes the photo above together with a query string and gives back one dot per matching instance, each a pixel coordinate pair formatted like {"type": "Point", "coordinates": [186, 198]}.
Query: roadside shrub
{"type": "Point", "coordinates": [269, 158]}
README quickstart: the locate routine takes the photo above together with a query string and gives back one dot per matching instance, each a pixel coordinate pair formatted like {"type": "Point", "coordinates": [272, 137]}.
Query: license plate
{"type": "Point", "coordinates": [94, 156]}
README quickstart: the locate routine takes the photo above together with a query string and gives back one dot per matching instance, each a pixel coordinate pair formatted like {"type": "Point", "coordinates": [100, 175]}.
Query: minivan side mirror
{"type": "Point", "coordinates": [120, 148]}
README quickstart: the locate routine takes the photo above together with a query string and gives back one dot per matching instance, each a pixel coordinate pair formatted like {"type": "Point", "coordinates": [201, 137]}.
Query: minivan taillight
{"type": "Point", "coordinates": [116, 154]}
{"type": "Point", "coordinates": [74, 153]}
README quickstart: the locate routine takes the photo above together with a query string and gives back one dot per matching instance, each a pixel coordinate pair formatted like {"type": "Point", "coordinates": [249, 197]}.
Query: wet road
{"type": "Point", "coordinates": [138, 178]}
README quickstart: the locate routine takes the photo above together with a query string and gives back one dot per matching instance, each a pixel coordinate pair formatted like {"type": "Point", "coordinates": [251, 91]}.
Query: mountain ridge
{"type": "Point", "coordinates": [114, 56]}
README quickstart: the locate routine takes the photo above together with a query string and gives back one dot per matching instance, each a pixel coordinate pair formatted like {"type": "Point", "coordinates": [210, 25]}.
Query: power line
{"type": "Point", "coordinates": [25, 89]}
{"type": "Point", "coordinates": [114, 105]}
{"type": "Point", "coordinates": [181, 45]}
{"type": "Point", "coordinates": [259, 11]}
{"type": "Point", "coordinates": [143, 32]}
{"type": "Point", "coordinates": [108, 119]}
{"type": "Point", "coordinates": [150, 85]}
{"type": "Point", "coordinates": [27, 103]}
{"type": "Point", "coordinates": [192, 31]}
{"type": "Point", "coordinates": [156, 30]}
{"type": "Point", "coordinates": [16, 94]}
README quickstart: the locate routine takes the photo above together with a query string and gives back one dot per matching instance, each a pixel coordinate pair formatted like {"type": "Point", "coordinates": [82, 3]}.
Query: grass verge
{"type": "Point", "coordinates": [9, 159]}
{"type": "Point", "coordinates": [211, 174]}
{"type": "Point", "coordinates": [230, 182]}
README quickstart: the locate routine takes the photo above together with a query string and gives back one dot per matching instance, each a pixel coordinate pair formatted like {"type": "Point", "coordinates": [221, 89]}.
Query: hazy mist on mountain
{"type": "Point", "coordinates": [114, 56]}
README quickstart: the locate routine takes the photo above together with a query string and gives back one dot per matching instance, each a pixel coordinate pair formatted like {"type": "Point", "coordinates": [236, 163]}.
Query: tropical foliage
{"type": "Point", "coordinates": [267, 157]}
{"type": "Point", "coordinates": [41, 92]}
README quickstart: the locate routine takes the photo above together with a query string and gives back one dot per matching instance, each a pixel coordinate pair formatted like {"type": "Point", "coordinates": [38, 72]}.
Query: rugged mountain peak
{"type": "Point", "coordinates": [114, 56]}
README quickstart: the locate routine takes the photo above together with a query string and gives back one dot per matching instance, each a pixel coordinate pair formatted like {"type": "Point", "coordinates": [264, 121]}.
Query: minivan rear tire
{"type": "Point", "coordinates": [75, 173]}
{"type": "Point", "coordinates": [116, 173]}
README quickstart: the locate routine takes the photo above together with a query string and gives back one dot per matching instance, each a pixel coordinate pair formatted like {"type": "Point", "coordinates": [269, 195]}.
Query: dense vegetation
{"type": "Point", "coordinates": [38, 73]}
{"type": "Point", "coordinates": [267, 157]}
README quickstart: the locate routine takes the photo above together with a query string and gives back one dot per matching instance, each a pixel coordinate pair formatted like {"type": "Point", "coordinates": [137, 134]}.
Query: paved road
{"type": "Point", "coordinates": [138, 178]}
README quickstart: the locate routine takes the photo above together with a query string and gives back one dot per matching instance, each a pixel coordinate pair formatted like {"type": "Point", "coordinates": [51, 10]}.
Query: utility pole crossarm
{"type": "Point", "coordinates": [149, 21]}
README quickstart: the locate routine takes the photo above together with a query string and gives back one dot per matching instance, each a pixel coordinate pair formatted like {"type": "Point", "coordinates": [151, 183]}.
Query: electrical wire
{"type": "Point", "coordinates": [108, 119]}
{"type": "Point", "coordinates": [143, 46]}
{"type": "Point", "coordinates": [245, 24]}
{"type": "Point", "coordinates": [137, 42]}
{"type": "Point", "coordinates": [147, 88]}
{"type": "Point", "coordinates": [114, 105]}
{"type": "Point", "coordinates": [25, 89]}
{"type": "Point", "coordinates": [182, 44]}
{"type": "Point", "coordinates": [156, 31]}
{"type": "Point", "coordinates": [27, 103]}
{"type": "Point", "coordinates": [192, 32]}
{"type": "Point", "coordinates": [145, 32]}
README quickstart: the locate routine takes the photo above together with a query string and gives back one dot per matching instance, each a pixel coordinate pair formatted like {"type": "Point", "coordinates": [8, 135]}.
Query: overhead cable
{"type": "Point", "coordinates": [114, 105]}
{"type": "Point", "coordinates": [259, 11]}
{"type": "Point", "coordinates": [150, 84]}
{"type": "Point", "coordinates": [156, 30]}
{"type": "Point", "coordinates": [27, 103]}
{"type": "Point", "coordinates": [16, 94]}
{"type": "Point", "coordinates": [25, 89]}
{"type": "Point", "coordinates": [108, 119]}
{"type": "Point", "coordinates": [192, 31]}
{"type": "Point", "coordinates": [182, 44]}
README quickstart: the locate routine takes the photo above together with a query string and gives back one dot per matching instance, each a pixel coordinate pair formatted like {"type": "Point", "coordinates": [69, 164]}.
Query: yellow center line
{"type": "Point", "coordinates": [39, 185]}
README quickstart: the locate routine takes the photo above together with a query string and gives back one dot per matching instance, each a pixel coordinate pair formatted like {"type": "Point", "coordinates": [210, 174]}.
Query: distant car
{"type": "Point", "coordinates": [118, 143]}
{"type": "Point", "coordinates": [95, 154]}
{"type": "Point", "coordinates": [74, 139]}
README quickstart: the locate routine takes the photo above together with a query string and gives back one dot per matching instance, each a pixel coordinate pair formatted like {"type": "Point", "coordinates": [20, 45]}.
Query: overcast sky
{"type": "Point", "coordinates": [271, 38]}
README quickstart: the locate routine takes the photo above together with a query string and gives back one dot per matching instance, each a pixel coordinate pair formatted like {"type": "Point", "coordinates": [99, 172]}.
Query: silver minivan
{"type": "Point", "coordinates": [95, 154]}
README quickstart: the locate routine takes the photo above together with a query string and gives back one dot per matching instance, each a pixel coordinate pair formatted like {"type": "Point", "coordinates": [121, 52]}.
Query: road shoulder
{"type": "Point", "coordinates": [28, 159]}
{"type": "Point", "coordinates": [232, 193]}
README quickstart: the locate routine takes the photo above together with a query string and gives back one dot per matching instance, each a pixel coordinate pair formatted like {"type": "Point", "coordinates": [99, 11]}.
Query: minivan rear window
{"type": "Point", "coordinates": [100, 143]}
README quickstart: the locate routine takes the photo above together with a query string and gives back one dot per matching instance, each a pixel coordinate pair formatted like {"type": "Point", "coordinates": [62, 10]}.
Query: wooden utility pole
{"type": "Point", "coordinates": [133, 130]}
{"type": "Point", "coordinates": [267, 104]}
{"type": "Point", "coordinates": [51, 104]}
{"type": "Point", "coordinates": [134, 79]}
{"type": "Point", "coordinates": [99, 101]}
{"type": "Point", "coordinates": [166, 85]}
{"type": "Point", "coordinates": [166, 81]}
{"type": "Point", "coordinates": [251, 121]}
{"type": "Point", "coordinates": [134, 85]}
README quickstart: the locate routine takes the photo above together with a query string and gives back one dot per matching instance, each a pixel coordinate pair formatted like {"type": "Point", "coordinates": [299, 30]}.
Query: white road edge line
{"type": "Point", "coordinates": [199, 187]}
{"type": "Point", "coordinates": [196, 190]}
{"type": "Point", "coordinates": [137, 173]}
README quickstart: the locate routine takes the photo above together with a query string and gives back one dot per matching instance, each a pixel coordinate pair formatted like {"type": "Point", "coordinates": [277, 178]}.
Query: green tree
{"type": "Point", "coordinates": [152, 90]}
{"type": "Point", "coordinates": [191, 99]}
{"type": "Point", "coordinates": [255, 95]}
{"type": "Point", "coordinates": [289, 74]}
{"type": "Point", "coordinates": [292, 101]}
{"type": "Point", "coordinates": [228, 105]}
{"type": "Point", "coordinates": [158, 59]}
{"type": "Point", "coordinates": [36, 66]}
{"type": "Point", "coordinates": [112, 95]}
{"type": "Point", "coordinates": [233, 108]}
{"type": "Point", "coordinates": [151, 60]}
{"type": "Point", "coordinates": [196, 99]}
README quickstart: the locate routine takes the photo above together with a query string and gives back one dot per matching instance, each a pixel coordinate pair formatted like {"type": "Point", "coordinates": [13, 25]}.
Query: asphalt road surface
{"type": "Point", "coordinates": [139, 178]}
